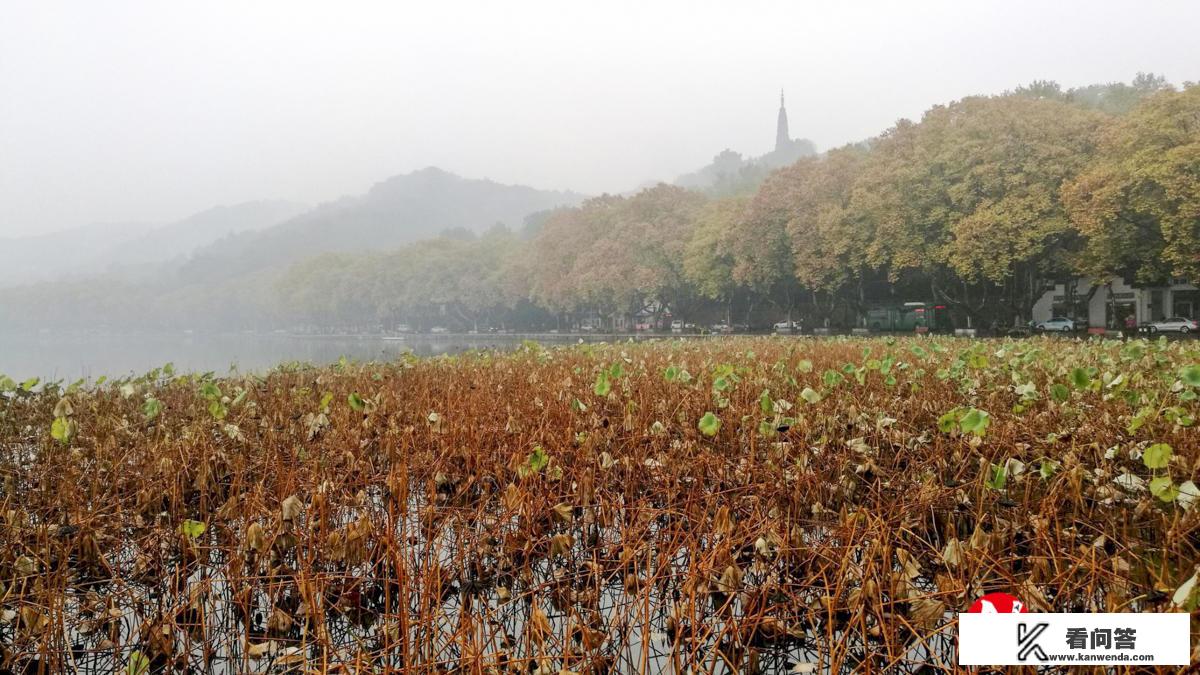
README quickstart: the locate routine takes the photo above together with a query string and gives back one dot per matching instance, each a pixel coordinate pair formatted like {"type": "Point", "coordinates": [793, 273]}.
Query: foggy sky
{"type": "Point", "coordinates": [119, 111]}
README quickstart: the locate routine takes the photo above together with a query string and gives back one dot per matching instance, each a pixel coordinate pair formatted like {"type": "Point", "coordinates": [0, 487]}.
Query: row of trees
{"type": "Point", "coordinates": [979, 205]}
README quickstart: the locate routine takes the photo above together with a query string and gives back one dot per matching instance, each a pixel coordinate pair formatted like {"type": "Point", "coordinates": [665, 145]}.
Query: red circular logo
{"type": "Point", "coordinates": [997, 603]}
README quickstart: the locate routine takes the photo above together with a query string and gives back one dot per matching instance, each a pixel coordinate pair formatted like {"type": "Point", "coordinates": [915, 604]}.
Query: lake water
{"type": "Point", "coordinates": [69, 356]}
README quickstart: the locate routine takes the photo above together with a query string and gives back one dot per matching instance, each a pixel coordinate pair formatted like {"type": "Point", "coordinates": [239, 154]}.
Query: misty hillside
{"type": "Point", "coordinates": [130, 248]}
{"type": "Point", "coordinates": [729, 173]}
{"type": "Point", "coordinates": [397, 211]}
{"type": "Point", "coordinates": [66, 253]}
{"type": "Point", "coordinates": [199, 230]}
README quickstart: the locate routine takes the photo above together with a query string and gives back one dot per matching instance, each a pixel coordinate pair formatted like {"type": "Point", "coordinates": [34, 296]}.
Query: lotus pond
{"type": "Point", "coordinates": [734, 505]}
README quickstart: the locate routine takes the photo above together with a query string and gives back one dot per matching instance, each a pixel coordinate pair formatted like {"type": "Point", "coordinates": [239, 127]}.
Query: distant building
{"type": "Point", "coordinates": [1107, 305]}
{"type": "Point", "coordinates": [787, 149]}
{"type": "Point", "coordinates": [730, 173]}
{"type": "Point", "coordinates": [782, 139]}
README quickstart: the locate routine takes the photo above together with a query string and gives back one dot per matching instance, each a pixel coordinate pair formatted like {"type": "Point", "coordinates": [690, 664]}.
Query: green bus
{"type": "Point", "coordinates": [911, 317]}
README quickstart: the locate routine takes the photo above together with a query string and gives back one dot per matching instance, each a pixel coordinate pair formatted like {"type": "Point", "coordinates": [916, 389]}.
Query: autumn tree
{"type": "Point", "coordinates": [1138, 203]}
{"type": "Point", "coordinates": [970, 197]}
{"type": "Point", "coordinates": [709, 258]}
{"type": "Point", "coordinates": [761, 247]}
{"type": "Point", "coordinates": [828, 241]}
{"type": "Point", "coordinates": [564, 244]}
{"type": "Point", "coordinates": [640, 264]}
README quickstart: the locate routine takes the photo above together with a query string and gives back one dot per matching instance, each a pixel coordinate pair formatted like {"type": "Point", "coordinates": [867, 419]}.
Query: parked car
{"type": "Point", "coordinates": [439, 329]}
{"type": "Point", "coordinates": [1058, 324]}
{"type": "Point", "coordinates": [787, 326]}
{"type": "Point", "coordinates": [1175, 324]}
{"type": "Point", "coordinates": [677, 326]}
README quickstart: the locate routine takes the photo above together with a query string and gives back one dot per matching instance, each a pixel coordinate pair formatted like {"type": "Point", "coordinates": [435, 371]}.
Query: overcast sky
{"type": "Point", "coordinates": [119, 111]}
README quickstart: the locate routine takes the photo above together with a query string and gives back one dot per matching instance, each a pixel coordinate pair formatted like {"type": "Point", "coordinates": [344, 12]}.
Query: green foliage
{"type": "Point", "coordinates": [1080, 378]}
{"type": "Point", "coordinates": [1190, 375]}
{"type": "Point", "coordinates": [538, 460]}
{"type": "Point", "coordinates": [1047, 468]}
{"type": "Point", "coordinates": [151, 408]}
{"type": "Point", "coordinates": [765, 402]}
{"type": "Point", "coordinates": [966, 420]}
{"type": "Point", "coordinates": [139, 664]}
{"type": "Point", "coordinates": [1163, 488]}
{"type": "Point", "coordinates": [603, 384]}
{"type": "Point", "coordinates": [974, 422]}
{"type": "Point", "coordinates": [948, 421]}
{"type": "Point", "coordinates": [1157, 456]}
{"type": "Point", "coordinates": [356, 402]}
{"type": "Point", "coordinates": [192, 529]}
{"type": "Point", "coordinates": [709, 424]}
{"type": "Point", "coordinates": [997, 476]}
{"type": "Point", "coordinates": [218, 410]}
{"type": "Point", "coordinates": [62, 429]}
{"type": "Point", "coordinates": [1133, 351]}
{"type": "Point", "coordinates": [210, 391]}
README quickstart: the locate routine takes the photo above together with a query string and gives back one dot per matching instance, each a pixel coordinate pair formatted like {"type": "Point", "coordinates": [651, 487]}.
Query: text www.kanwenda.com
{"type": "Point", "coordinates": [1091, 658]}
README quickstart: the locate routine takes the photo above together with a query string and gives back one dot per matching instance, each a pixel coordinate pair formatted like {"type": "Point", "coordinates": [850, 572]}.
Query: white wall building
{"type": "Point", "coordinates": [1108, 305]}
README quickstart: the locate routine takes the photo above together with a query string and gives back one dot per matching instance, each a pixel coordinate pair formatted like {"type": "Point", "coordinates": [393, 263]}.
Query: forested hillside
{"type": "Point", "coordinates": [397, 211]}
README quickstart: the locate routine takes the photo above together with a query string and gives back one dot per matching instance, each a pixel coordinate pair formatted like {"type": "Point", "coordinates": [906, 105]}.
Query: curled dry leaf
{"type": "Point", "coordinates": [291, 509]}
{"type": "Point", "coordinates": [256, 538]}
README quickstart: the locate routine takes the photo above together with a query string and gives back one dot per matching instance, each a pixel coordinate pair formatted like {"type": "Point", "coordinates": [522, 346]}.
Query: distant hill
{"type": "Point", "coordinates": [204, 228]}
{"type": "Point", "coordinates": [154, 277]}
{"type": "Point", "coordinates": [68, 253]}
{"type": "Point", "coordinates": [397, 211]}
{"type": "Point", "coordinates": [130, 249]}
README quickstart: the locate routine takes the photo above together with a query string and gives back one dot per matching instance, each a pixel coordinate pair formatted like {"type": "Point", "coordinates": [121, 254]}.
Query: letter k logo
{"type": "Point", "coordinates": [1027, 641]}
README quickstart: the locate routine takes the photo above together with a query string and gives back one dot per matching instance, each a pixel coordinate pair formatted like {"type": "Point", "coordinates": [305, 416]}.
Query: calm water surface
{"type": "Point", "coordinates": [69, 356]}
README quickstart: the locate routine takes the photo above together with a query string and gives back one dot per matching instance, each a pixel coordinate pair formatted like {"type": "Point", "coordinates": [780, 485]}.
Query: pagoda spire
{"type": "Point", "coordinates": [782, 137]}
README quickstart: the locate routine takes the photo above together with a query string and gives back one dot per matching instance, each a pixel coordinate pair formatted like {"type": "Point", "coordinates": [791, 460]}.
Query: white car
{"type": "Point", "coordinates": [787, 326]}
{"type": "Point", "coordinates": [1059, 324]}
{"type": "Point", "coordinates": [1175, 324]}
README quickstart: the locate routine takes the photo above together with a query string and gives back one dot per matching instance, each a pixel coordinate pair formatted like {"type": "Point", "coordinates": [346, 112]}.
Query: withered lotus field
{"type": "Point", "coordinates": [726, 505]}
